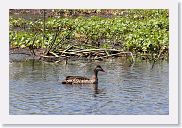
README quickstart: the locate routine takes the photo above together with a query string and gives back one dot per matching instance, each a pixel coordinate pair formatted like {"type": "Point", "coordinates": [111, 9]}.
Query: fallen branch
{"type": "Point", "coordinates": [54, 54]}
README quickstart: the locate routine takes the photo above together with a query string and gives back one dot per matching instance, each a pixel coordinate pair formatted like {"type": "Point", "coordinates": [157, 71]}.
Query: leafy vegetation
{"type": "Point", "coordinates": [137, 31]}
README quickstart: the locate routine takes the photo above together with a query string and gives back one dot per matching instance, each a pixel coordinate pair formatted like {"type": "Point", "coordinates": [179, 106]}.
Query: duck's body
{"type": "Point", "coordinates": [78, 80]}
{"type": "Point", "coordinates": [83, 80]}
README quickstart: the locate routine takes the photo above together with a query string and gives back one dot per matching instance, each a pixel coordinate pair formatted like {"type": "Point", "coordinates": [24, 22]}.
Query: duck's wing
{"type": "Point", "coordinates": [76, 77]}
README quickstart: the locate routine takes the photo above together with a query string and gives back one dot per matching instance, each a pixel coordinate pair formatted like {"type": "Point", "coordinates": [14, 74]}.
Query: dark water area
{"type": "Point", "coordinates": [34, 88]}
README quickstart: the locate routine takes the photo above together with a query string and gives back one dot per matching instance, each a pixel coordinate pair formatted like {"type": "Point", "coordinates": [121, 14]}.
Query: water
{"type": "Point", "coordinates": [123, 90]}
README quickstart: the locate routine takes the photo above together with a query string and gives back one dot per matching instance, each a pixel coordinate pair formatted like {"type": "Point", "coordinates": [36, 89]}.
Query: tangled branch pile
{"type": "Point", "coordinates": [93, 54]}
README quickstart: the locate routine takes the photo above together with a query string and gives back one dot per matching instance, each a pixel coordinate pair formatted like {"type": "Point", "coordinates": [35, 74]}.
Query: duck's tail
{"type": "Point", "coordinates": [64, 82]}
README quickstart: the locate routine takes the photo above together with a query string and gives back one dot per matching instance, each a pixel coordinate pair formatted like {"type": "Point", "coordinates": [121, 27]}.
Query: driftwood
{"type": "Point", "coordinates": [93, 54]}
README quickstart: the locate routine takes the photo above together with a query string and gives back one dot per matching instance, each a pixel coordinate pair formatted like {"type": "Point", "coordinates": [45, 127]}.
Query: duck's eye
{"type": "Point", "coordinates": [98, 68]}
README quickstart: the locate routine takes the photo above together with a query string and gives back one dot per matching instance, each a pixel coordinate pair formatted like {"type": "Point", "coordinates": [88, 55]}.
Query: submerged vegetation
{"type": "Point", "coordinates": [141, 32]}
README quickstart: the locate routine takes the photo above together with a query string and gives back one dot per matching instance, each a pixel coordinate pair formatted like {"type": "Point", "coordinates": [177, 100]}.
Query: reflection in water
{"type": "Point", "coordinates": [124, 90]}
{"type": "Point", "coordinates": [96, 90]}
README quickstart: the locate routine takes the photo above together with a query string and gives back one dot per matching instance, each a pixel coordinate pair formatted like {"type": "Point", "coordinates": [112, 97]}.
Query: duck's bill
{"type": "Point", "coordinates": [103, 70]}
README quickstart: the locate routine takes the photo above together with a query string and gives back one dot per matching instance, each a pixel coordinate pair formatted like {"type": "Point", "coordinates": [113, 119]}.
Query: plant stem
{"type": "Point", "coordinates": [43, 29]}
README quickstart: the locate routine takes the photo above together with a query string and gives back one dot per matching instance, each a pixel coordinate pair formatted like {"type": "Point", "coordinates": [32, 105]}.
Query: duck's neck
{"type": "Point", "coordinates": [95, 74]}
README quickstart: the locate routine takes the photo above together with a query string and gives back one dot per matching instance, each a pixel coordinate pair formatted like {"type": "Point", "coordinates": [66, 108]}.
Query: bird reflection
{"type": "Point", "coordinates": [94, 87]}
{"type": "Point", "coordinates": [96, 90]}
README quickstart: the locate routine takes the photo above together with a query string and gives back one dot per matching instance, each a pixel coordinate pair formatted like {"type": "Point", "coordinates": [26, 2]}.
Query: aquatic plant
{"type": "Point", "coordinates": [137, 31]}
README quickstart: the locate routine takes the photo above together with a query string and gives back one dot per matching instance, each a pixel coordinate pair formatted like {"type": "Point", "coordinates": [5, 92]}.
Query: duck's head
{"type": "Point", "coordinates": [99, 68]}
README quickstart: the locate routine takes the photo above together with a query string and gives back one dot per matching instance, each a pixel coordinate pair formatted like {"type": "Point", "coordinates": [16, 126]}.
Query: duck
{"type": "Point", "coordinates": [84, 80]}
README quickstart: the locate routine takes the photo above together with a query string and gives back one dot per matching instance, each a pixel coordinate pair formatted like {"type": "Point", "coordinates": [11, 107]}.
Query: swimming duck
{"type": "Point", "coordinates": [84, 80]}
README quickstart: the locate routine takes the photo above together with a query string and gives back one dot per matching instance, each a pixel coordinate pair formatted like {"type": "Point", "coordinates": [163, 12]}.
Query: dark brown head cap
{"type": "Point", "coordinates": [99, 68]}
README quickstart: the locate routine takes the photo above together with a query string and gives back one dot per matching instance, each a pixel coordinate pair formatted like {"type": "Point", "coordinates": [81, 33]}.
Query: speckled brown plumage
{"type": "Point", "coordinates": [83, 80]}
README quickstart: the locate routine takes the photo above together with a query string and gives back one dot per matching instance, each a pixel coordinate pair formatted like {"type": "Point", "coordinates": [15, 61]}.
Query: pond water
{"type": "Point", "coordinates": [34, 88]}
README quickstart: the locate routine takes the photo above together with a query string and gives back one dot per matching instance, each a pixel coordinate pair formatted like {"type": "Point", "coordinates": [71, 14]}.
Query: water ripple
{"type": "Point", "coordinates": [124, 90]}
